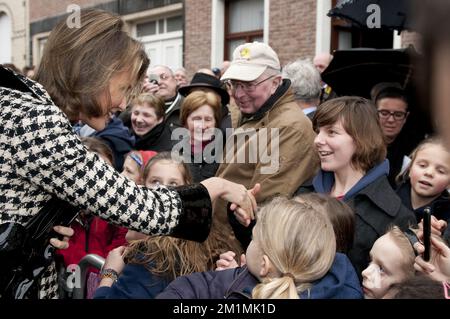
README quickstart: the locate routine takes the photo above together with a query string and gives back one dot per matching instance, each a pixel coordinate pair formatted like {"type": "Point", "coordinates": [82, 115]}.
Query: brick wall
{"type": "Point", "coordinates": [197, 35]}
{"type": "Point", "coordinates": [292, 29]}
{"type": "Point", "coordinates": [41, 9]}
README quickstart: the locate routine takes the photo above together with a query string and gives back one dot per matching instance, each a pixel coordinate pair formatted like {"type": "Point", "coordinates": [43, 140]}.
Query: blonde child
{"type": "Point", "coordinates": [292, 255]}
{"type": "Point", "coordinates": [134, 164]}
{"type": "Point", "coordinates": [152, 262]}
{"type": "Point", "coordinates": [392, 262]}
{"type": "Point", "coordinates": [340, 214]}
{"type": "Point", "coordinates": [426, 179]}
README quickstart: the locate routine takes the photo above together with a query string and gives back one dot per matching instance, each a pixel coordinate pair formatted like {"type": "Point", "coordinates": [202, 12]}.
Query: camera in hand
{"type": "Point", "coordinates": [153, 78]}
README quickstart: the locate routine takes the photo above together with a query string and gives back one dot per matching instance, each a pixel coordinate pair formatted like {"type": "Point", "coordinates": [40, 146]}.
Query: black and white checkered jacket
{"type": "Point", "coordinates": [40, 155]}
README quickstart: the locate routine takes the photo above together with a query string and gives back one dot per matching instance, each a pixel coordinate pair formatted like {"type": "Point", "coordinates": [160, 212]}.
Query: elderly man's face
{"type": "Point", "coordinates": [167, 82]}
{"type": "Point", "coordinates": [321, 61]}
{"type": "Point", "coordinates": [251, 96]}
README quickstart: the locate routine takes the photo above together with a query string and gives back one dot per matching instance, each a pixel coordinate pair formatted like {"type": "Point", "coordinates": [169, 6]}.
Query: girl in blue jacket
{"type": "Point", "coordinates": [292, 255]}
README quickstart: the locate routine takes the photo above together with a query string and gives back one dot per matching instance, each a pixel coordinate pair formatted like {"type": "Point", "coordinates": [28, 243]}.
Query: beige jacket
{"type": "Point", "coordinates": [297, 160]}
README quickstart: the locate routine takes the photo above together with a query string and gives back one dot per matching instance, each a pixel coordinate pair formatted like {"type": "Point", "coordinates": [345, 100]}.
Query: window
{"type": "Point", "coordinates": [346, 36]}
{"type": "Point", "coordinates": [160, 26]}
{"type": "Point", "coordinates": [244, 22]}
{"type": "Point", "coordinates": [148, 28]}
{"type": "Point", "coordinates": [163, 39]}
{"type": "Point", "coordinates": [174, 24]}
{"type": "Point", "coordinates": [5, 38]}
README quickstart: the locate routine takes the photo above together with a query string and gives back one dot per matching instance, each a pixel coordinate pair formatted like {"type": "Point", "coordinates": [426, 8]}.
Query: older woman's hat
{"type": "Point", "coordinates": [203, 80]}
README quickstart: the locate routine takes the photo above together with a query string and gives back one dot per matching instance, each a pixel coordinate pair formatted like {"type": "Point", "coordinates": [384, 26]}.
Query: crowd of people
{"type": "Point", "coordinates": [253, 180]}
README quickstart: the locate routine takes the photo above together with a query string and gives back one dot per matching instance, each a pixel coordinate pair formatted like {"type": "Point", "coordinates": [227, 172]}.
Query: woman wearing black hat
{"type": "Point", "coordinates": [208, 83]}
{"type": "Point", "coordinates": [202, 141]}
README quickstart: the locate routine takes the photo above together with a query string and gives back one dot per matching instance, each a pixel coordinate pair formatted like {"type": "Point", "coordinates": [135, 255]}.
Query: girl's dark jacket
{"type": "Point", "coordinates": [376, 206]}
{"type": "Point", "coordinates": [440, 207]}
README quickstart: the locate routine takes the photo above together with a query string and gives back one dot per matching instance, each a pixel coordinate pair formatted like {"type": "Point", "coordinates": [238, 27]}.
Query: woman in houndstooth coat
{"type": "Point", "coordinates": [88, 73]}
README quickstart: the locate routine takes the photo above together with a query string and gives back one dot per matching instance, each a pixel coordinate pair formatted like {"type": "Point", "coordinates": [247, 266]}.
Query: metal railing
{"type": "Point", "coordinates": [90, 260]}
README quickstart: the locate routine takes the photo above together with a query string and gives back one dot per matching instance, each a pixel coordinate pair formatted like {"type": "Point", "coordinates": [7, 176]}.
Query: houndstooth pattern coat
{"type": "Point", "coordinates": [40, 156]}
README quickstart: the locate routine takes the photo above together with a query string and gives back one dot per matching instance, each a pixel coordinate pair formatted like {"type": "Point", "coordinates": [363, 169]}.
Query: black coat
{"type": "Point", "coordinates": [172, 117]}
{"type": "Point", "coordinates": [158, 139]}
{"type": "Point", "coordinates": [440, 207]}
{"type": "Point", "coordinates": [376, 207]}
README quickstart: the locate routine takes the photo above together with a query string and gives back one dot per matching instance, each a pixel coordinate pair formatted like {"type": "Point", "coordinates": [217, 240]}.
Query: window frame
{"type": "Point", "coordinates": [247, 36]}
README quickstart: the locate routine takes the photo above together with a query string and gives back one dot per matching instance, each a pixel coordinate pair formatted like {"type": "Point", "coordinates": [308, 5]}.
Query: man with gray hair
{"type": "Point", "coordinates": [306, 84]}
{"type": "Point", "coordinates": [162, 83]}
{"type": "Point", "coordinates": [280, 155]}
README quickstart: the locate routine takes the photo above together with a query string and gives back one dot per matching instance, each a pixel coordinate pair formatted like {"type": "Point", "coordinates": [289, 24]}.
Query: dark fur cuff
{"type": "Point", "coordinates": [196, 217]}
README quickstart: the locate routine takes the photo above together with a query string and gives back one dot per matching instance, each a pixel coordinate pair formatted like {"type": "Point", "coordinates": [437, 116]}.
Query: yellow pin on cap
{"type": "Point", "coordinates": [245, 53]}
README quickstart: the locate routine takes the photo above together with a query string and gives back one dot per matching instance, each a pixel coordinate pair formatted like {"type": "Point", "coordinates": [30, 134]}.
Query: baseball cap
{"type": "Point", "coordinates": [250, 60]}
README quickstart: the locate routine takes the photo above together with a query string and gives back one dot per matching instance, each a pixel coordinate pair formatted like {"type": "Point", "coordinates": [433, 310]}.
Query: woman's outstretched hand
{"type": "Point", "coordinates": [243, 201]}
{"type": "Point", "coordinates": [245, 216]}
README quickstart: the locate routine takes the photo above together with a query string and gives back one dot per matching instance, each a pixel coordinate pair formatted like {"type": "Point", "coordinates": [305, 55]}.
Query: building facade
{"type": "Point", "coordinates": [196, 33]}
{"type": "Point", "coordinates": [14, 32]}
{"type": "Point", "coordinates": [158, 24]}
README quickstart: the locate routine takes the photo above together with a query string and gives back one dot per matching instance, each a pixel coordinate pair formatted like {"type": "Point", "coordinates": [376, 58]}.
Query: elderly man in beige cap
{"type": "Point", "coordinates": [284, 156]}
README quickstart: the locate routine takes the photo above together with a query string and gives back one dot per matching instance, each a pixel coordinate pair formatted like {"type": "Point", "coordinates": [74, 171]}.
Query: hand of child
{"type": "Point", "coordinates": [438, 268]}
{"type": "Point", "coordinates": [227, 261]}
{"type": "Point", "coordinates": [115, 260]}
{"type": "Point", "coordinates": [67, 232]}
{"type": "Point", "coordinates": [437, 226]}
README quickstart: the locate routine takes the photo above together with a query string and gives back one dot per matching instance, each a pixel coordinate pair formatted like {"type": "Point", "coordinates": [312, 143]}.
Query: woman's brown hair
{"type": "Point", "coordinates": [341, 215]}
{"type": "Point", "coordinates": [197, 99]}
{"type": "Point", "coordinates": [360, 121]}
{"type": "Point", "coordinates": [78, 63]}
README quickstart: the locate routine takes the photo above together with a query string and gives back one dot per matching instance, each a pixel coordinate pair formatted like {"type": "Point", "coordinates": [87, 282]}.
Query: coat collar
{"type": "Point", "coordinates": [379, 195]}
{"type": "Point", "coordinates": [281, 96]}
{"type": "Point", "coordinates": [18, 82]}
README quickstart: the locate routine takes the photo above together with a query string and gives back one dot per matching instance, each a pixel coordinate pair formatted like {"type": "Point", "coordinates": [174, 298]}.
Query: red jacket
{"type": "Point", "coordinates": [92, 235]}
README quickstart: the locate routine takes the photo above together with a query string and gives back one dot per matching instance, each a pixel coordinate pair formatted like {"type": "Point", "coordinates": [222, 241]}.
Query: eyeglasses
{"type": "Point", "coordinates": [244, 86]}
{"type": "Point", "coordinates": [162, 76]}
{"type": "Point", "coordinates": [397, 115]}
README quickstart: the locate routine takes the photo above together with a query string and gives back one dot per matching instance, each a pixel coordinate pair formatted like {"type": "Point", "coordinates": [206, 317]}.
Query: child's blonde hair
{"type": "Point", "coordinates": [168, 156]}
{"type": "Point", "coordinates": [299, 241]}
{"type": "Point", "coordinates": [433, 140]}
{"type": "Point", "coordinates": [166, 256]}
{"type": "Point", "coordinates": [169, 257]}
{"type": "Point", "coordinates": [405, 246]}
